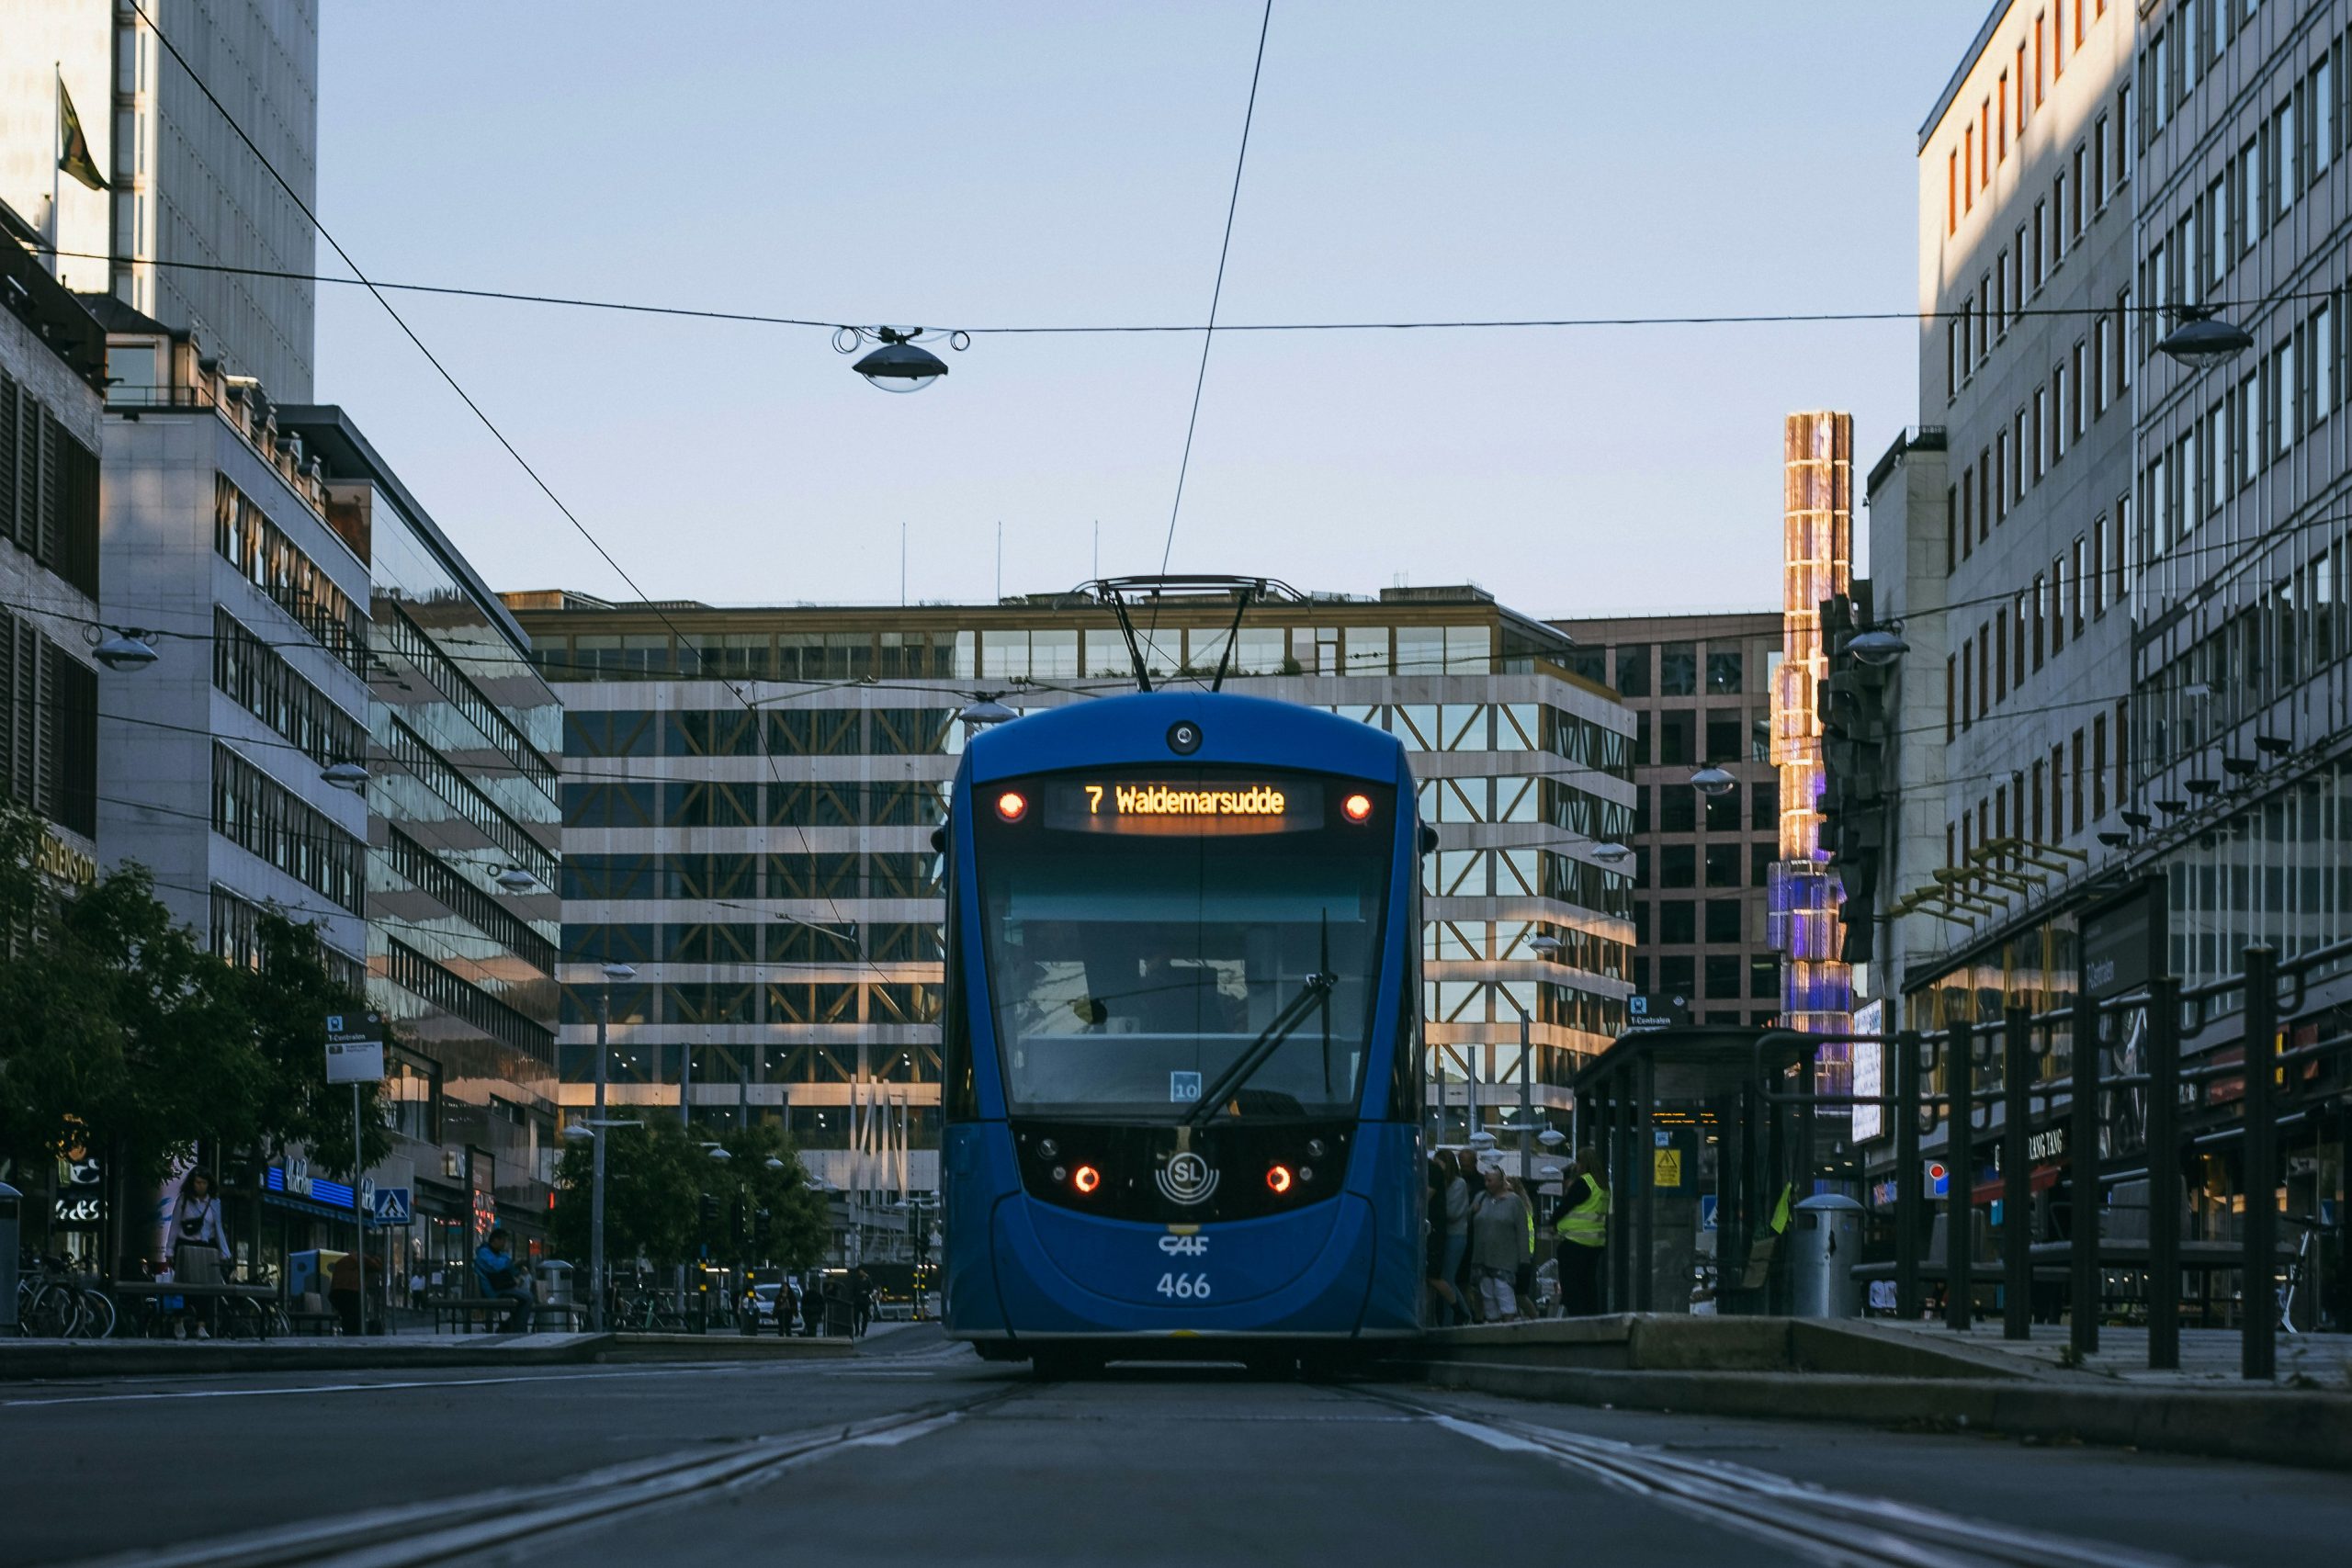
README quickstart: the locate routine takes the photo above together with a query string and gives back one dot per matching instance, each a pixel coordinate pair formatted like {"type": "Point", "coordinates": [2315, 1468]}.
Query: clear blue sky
{"type": "Point", "coordinates": [961, 165]}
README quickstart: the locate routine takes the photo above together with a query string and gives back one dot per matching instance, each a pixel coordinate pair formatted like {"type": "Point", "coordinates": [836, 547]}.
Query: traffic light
{"type": "Point", "coordinates": [709, 1214]}
{"type": "Point", "coordinates": [1855, 804]}
{"type": "Point", "coordinates": [759, 1218]}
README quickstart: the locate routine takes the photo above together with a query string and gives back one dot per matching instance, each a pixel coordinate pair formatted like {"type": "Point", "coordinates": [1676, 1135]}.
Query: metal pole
{"type": "Point", "coordinates": [685, 1085]}
{"type": "Point", "coordinates": [358, 1219]}
{"type": "Point", "coordinates": [1910, 1176]}
{"type": "Point", "coordinates": [596, 1167]}
{"type": "Point", "coordinates": [2258, 1355]}
{"type": "Point", "coordinates": [1526, 1107]}
{"type": "Point", "coordinates": [2164, 1174]}
{"type": "Point", "coordinates": [2082, 1173]}
{"type": "Point", "coordinates": [1959, 1166]}
{"type": "Point", "coordinates": [2016, 1101]}
{"type": "Point", "coordinates": [1644, 1171]}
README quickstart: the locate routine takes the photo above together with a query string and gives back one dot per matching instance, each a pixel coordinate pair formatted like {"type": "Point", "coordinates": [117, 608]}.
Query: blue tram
{"type": "Point", "coordinates": [1182, 1096]}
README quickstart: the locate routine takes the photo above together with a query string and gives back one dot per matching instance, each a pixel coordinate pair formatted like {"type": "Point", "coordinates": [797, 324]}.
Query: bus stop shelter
{"type": "Point", "coordinates": [1703, 1147]}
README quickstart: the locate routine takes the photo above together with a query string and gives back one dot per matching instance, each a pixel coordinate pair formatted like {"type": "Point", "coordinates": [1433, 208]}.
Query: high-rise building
{"type": "Point", "coordinates": [748, 814]}
{"type": "Point", "coordinates": [184, 203]}
{"type": "Point", "coordinates": [1802, 903]}
{"type": "Point", "coordinates": [1700, 689]}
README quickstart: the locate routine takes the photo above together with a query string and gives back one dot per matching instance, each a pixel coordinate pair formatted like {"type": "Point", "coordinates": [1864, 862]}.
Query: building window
{"type": "Point", "coordinates": [1726, 670]}
{"type": "Point", "coordinates": [1724, 921]}
{"type": "Point", "coordinates": [1677, 736]}
{"type": "Point", "coordinates": [1678, 865]}
{"type": "Point", "coordinates": [1678, 920]}
{"type": "Point", "coordinates": [1634, 671]}
{"type": "Point", "coordinates": [1678, 670]}
{"type": "Point", "coordinates": [1759, 865]}
{"type": "Point", "coordinates": [1723, 865]}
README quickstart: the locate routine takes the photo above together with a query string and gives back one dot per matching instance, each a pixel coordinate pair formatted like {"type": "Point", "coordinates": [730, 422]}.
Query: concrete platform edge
{"type": "Point", "coordinates": [2271, 1427]}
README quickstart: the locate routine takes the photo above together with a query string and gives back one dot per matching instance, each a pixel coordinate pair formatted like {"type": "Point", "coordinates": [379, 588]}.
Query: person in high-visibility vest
{"type": "Point", "coordinates": [1583, 1230]}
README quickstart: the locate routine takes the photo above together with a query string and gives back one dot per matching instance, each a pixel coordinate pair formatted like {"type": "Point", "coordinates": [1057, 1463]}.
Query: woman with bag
{"type": "Point", "coordinates": [195, 1242]}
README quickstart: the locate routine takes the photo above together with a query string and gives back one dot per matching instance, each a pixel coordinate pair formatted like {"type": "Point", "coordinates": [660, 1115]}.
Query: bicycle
{"type": "Point", "coordinates": [56, 1302]}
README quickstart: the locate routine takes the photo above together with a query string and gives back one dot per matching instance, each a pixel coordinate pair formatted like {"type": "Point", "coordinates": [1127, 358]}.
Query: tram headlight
{"type": "Point", "coordinates": [1012, 806]}
{"type": "Point", "coordinates": [1278, 1178]}
{"type": "Point", "coordinates": [1086, 1179]}
{"type": "Point", "coordinates": [1358, 808]}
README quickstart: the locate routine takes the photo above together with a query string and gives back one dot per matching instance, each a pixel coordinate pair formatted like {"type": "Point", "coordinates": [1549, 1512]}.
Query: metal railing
{"type": "Point", "coordinates": [1995, 1079]}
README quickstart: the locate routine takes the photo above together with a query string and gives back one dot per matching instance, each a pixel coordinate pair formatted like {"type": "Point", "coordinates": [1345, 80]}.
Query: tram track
{"type": "Point", "coordinates": [1841, 1529]}
{"type": "Point", "coordinates": [483, 1523]}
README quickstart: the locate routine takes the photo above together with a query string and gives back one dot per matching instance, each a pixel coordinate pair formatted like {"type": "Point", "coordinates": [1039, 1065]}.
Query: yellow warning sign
{"type": "Point", "coordinates": [1665, 1167]}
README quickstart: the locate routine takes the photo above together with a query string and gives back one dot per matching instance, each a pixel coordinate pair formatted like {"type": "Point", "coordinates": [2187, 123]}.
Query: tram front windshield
{"type": "Point", "coordinates": [1133, 958]}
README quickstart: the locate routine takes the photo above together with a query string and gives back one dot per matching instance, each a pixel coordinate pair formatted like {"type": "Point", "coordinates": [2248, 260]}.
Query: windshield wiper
{"type": "Point", "coordinates": [1261, 1050]}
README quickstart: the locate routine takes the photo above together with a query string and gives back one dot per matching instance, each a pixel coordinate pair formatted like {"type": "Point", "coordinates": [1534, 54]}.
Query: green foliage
{"type": "Point", "coordinates": [120, 1031]}
{"type": "Point", "coordinates": [655, 1177]}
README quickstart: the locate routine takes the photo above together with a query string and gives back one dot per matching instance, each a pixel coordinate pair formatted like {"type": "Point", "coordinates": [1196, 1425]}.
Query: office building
{"type": "Point", "coordinates": [53, 381]}
{"type": "Point", "coordinates": [748, 817]}
{"type": "Point", "coordinates": [1699, 690]}
{"type": "Point", "coordinates": [2016, 581]}
{"type": "Point", "coordinates": [181, 203]}
{"type": "Point", "coordinates": [461, 795]}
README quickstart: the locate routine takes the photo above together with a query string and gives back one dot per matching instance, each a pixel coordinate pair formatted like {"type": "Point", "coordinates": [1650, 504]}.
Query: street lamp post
{"type": "Point", "coordinates": [614, 975]}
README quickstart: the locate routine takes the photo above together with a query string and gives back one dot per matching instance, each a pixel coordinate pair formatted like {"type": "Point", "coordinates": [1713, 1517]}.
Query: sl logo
{"type": "Point", "coordinates": [1187, 1178]}
{"type": "Point", "coordinates": [1184, 1246]}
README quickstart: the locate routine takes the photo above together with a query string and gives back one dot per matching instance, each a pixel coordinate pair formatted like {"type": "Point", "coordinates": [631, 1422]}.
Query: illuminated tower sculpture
{"type": "Point", "coordinates": [1817, 990]}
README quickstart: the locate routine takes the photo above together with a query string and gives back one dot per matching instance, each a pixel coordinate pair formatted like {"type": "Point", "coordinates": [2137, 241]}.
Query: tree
{"type": "Point", "coordinates": [285, 999]}
{"type": "Point", "coordinates": [120, 1031]}
{"type": "Point", "coordinates": [655, 1177]}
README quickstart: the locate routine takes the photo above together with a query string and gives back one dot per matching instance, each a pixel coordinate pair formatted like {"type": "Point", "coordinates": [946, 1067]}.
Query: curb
{"type": "Point", "coordinates": [2271, 1426]}
{"type": "Point", "coordinates": [23, 1360]}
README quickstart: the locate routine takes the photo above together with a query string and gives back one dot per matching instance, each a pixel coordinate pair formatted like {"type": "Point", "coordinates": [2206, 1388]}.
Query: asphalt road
{"type": "Point", "coordinates": [917, 1448]}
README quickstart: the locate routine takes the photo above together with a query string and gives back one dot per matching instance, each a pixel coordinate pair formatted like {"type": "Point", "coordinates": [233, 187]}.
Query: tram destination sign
{"type": "Point", "coordinates": [1183, 806]}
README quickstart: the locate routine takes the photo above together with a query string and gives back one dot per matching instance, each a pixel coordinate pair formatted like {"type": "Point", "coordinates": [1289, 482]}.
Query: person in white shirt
{"type": "Point", "coordinates": [196, 1241]}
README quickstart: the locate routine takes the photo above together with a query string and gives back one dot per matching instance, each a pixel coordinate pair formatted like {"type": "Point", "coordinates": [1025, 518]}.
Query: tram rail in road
{"type": "Point", "coordinates": [1847, 1530]}
{"type": "Point", "coordinates": [441, 1528]}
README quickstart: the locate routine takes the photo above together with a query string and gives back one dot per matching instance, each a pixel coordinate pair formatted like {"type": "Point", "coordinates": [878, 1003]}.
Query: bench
{"type": "Point", "coordinates": [151, 1294]}
{"type": "Point", "coordinates": [462, 1314]}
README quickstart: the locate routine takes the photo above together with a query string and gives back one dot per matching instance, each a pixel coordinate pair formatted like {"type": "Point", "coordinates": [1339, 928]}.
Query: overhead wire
{"type": "Point", "coordinates": [1099, 328]}
{"type": "Point", "coordinates": [409, 332]}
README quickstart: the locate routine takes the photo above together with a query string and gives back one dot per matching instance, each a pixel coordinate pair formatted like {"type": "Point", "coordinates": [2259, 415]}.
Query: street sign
{"type": "Point", "coordinates": [391, 1206]}
{"type": "Point", "coordinates": [355, 1048]}
{"type": "Point", "coordinates": [1939, 1180]}
{"type": "Point", "coordinates": [1666, 1167]}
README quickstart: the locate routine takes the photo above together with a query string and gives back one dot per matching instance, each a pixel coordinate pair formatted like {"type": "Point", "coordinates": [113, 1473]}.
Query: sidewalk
{"type": "Point", "coordinates": [42, 1359]}
{"type": "Point", "coordinates": [2208, 1355]}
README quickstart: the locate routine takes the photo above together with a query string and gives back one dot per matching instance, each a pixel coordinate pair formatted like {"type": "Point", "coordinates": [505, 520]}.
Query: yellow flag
{"type": "Point", "coordinates": [73, 148]}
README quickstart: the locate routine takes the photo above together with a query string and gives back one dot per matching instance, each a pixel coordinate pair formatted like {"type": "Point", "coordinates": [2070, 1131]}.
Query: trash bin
{"type": "Point", "coordinates": [12, 1205]}
{"type": "Point", "coordinates": [556, 1279]}
{"type": "Point", "coordinates": [1824, 1243]}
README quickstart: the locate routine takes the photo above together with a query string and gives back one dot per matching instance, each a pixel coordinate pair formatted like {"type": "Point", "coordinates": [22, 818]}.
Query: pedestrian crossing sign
{"type": "Point", "coordinates": [391, 1206]}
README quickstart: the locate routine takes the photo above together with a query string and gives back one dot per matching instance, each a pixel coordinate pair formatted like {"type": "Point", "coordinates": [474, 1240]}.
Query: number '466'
{"type": "Point", "coordinates": [1185, 1287]}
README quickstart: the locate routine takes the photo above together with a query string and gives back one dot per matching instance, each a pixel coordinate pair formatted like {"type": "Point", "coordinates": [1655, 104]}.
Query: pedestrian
{"type": "Point", "coordinates": [1458, 1204]}
{"type": "Point", "coordinates": [196, 1243]}
{"type": "Point", "coordinates": [1498, 1245]}
{"type": "Point", "coordinates": [1445, 1302]}
{"type": "Point", "coordinates": [862, 1294]}
{"type": "Point", "coordinates": [497, 1276]}
{"type": "Point", "coordinates": [787, 1306]}
{"type": "Point", "coordinates": [1524, 1281]}
{"type": "Point", "coordinates": [1583, 1229]}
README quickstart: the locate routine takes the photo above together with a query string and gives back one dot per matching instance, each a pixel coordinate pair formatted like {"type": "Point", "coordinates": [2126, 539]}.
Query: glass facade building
{"type": "Point", "coordinates": [461, 739]}
{"type": "Point", "coordinates": [749, 797]}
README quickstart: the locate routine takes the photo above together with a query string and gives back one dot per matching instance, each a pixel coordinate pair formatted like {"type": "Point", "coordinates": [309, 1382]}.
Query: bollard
{"type": "Point", "coordinates": [2164, 1174]}
{"type": "Point", "coordinates": [2258, 1349]}
{"type": "Point", "coordinates": [12, 1207]}
{"type": "Point", "coordinates": [2082, 1173]}
{"type": "Point", "coordinates": [2016, 1195]}
{"type": "Point", "coordinates": [1910, 1178]}
{"type": "Point", "coordinates": [1959, 1161]}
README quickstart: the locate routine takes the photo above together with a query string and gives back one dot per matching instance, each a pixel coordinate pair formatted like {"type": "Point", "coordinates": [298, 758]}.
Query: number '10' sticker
{"type": "Point", "coordinates": [1184, 1087]}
